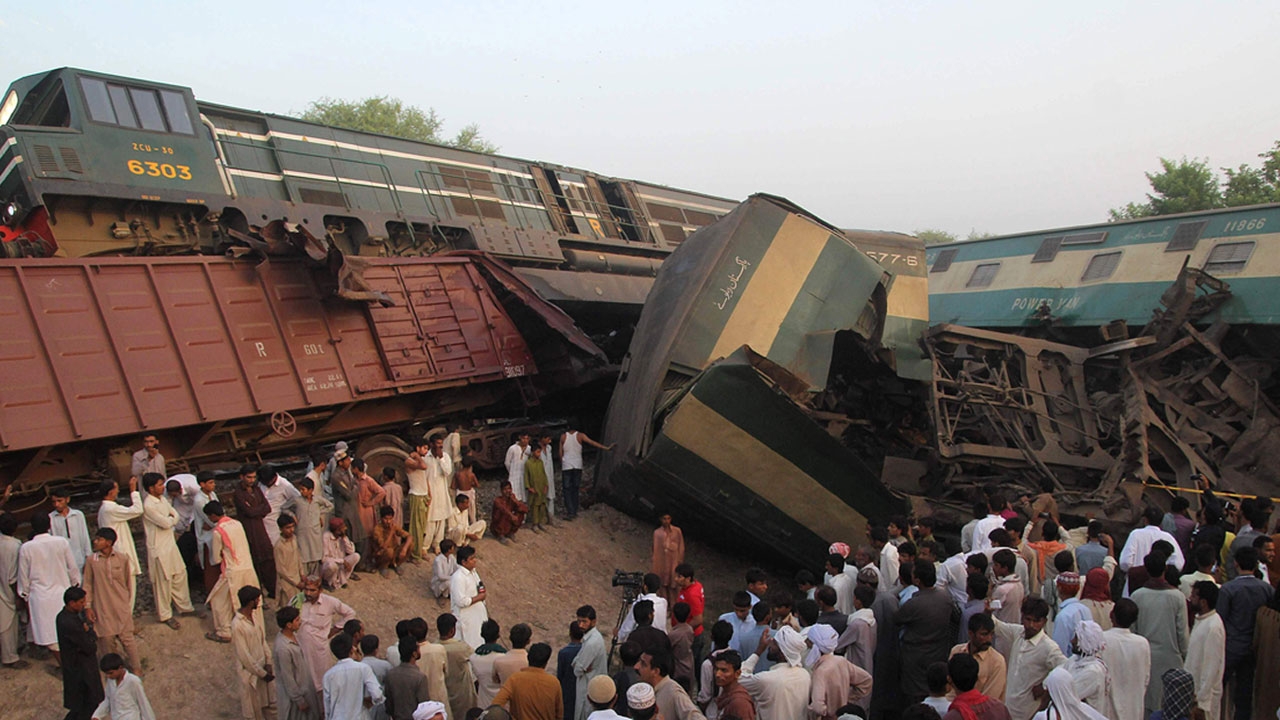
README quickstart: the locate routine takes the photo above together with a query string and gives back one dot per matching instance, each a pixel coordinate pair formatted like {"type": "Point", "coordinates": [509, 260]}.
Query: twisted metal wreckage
{"type": "Point", "coordinates": [1101, 424]}
{"type": "Point", "coordinates": [784, 406]}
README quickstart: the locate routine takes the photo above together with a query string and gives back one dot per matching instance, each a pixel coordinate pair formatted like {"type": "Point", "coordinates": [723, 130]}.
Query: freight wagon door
{"type": "Point", "coordinates": [438, 329]}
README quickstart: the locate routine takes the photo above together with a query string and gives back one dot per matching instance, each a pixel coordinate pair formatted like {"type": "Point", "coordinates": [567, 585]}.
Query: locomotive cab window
{"type": "Point", "coordinates": [1228, 258]}
{"type": "Point", "coordinates": [136, 107]}
{"type": "Point", "coordinates": [983, 275]}
{"type": "Point", "coordinates": [10, 104]}
{"type": "Point", "coordinates": [45, 105]}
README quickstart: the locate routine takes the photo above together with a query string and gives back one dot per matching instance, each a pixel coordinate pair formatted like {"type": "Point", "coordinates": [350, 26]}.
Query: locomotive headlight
{"type": "Point", "coordinates": [10, 212]}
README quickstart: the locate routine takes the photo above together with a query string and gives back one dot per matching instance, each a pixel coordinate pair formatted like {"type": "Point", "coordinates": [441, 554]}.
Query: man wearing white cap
{"type": "Point", "coordinates": [641, 701]}
{"type": "Point", "coordinates": [602, 694]}
{"type": "Point", "coordinates": [429, 710]}
{"type": "Point", "coordinates": [783, 692]}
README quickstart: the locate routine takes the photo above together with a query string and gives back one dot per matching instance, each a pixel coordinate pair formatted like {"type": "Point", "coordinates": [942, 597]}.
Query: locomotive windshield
{"type": "Point", "coordinates": [44, 105]}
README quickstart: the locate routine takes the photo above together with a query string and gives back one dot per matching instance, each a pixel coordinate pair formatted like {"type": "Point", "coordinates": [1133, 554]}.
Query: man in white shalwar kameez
{"type": "Point", "coordinates": [1128, 658]}
{"type": "Point", "coordinates": [125, 699]}
{"type": "Point", "coordinates": [46, 568]}
{"type": "Point", "coordinates": [280, 492]}
{"type": "Point", "coordinates": [781, 693]}
{"type": "Point", "coordinates": [112, 514]}
{"type": "Point", "coordinates": [439, 497]}
{"type": "Point", "coordinates": [1207, 649]}
{"type": "Point", "coordinates": [164, 560]}
{"type": "Point", "coordinates": [467, 595]}
{"type": "Point", "coordinates": [517, 454]}
{"type": "Point", "coordinates": [459, 527]}
{"type": "Point", "coordinates": [9, 549]}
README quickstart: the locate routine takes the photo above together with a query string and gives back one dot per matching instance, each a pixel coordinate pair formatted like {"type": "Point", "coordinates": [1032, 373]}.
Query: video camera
{"type": "Point", "coordinates": [632, 583]}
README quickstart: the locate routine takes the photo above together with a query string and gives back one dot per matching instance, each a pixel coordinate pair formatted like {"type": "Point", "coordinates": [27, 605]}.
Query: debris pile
{"type": "Point", "coordinates": [1101, 424]}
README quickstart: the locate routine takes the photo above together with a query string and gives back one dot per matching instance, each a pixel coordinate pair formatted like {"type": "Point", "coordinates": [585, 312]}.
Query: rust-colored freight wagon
{"type": "Point", "coordinates": [226, 359]}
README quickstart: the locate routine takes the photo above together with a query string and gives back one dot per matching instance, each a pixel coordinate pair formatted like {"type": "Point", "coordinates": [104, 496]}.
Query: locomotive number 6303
{"type": "Point", "coordinates": [155, 169]}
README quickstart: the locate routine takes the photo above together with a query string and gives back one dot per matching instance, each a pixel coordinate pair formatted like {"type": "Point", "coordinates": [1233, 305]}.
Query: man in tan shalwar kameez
{"type": "Point", "coordinates": [108, 587]}
{"type": "Point", "coordinates": [289, 570]}
{"type": "Point", "coordinates": [231, 546]}
{"type": "Point", "coordinates": [668, 552]}
{"type": "Point", "coordinates": [253, 657]}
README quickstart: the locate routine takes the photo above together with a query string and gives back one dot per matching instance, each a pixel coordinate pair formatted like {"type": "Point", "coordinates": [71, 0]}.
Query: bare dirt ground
{"type": "Point", "coordinates": [540, 580]}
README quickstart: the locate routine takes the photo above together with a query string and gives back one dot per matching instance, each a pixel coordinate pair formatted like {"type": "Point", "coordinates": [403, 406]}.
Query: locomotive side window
{"type": "Point", "coordinates": [175, 108]}
{"type": "Point", "coordinates": [98, 100]}
{"type": "Point", "coordinates": [148, 109]}
{"type": "Point", "coordinates": [134, 107]}
{"type": "Point", "coordinates": [120, 102]}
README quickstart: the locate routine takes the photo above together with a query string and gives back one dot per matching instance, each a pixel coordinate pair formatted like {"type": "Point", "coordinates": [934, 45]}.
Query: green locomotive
{"type": "Point", "coordinates": [93, 164]}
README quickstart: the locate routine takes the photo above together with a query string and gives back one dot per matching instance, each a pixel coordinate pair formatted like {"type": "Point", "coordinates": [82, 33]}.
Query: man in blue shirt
{"type": "Point", "coordinates": [1092, 554]}
{"type": "Point", "coordinates": [1071, 612]}
{"type": "Point", "coordinates": [740, 618]}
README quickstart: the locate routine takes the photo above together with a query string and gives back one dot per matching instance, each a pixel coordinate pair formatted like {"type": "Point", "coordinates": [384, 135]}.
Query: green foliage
{"type": "Point", "coordinates": [1131, 211]}
{"type": "Point", "coordinates": [933, 236]}
{"type": "Point", "coordinates": [1189, 185]}
{"type": "Point", "coordinates": [390, 116]}
{"type": "Point", "coordinates": [1247, 186]}
{"type": "Point", "coordinates": [1184, 186]}
{"type": "Point", "coordinates": [975, 235]}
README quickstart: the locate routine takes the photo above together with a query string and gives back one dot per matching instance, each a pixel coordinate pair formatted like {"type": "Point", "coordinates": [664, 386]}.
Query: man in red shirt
{"type": "Point", "coordinates": [690, 592]}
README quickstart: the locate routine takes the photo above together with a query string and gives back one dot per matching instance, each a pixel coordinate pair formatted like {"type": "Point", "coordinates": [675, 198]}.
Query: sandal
{"type": "Point", "coordinates": [216, 638]}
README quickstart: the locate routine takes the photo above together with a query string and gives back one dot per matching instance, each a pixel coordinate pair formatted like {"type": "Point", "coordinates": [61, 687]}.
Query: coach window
{"type": "Point", "coordinates": [1228, 258]}
{"type": "Point", "coordinates": [942, 263]}
{"type": "Point", "coordinates": [983, 275]}
{"type": "Point", "coordinates": [1101, 266]}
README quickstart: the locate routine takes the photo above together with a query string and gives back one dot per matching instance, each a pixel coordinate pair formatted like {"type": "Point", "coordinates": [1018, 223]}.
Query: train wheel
{"type": "Point", "coordinates": [379, 451]}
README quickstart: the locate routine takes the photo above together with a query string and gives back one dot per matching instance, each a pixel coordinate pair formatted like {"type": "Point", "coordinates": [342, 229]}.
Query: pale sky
{"type": "Point", "coordinates": [990, 116]}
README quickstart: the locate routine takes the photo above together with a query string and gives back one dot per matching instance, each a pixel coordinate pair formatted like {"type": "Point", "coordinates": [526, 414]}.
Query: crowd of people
{"type": "Point", "coordinates": [1028, 620]}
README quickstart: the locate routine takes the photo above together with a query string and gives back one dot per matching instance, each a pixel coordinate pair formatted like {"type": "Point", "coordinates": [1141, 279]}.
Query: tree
{"type": "Point", "coordinates": [1189, 185]}
{"type": "Point", "coordinates": [933, 236]}
{"type": "Point", "coordinates": [1184, 186]}
{"type": "Point", "coordinates": [390, 116]}
{"type": "Point", "coordinates": [975, 235]}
